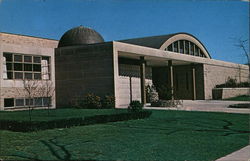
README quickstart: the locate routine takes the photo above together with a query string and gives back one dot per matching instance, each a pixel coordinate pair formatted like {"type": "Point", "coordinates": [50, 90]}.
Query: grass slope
{"type": "Point", "coordinates": [166, 135]}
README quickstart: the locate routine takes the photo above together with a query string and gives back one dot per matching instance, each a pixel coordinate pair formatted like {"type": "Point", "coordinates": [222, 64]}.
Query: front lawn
{"type": "Point", "coordinates": [239, 98]}
{"type": "Point", "coordinates": [166, 135]}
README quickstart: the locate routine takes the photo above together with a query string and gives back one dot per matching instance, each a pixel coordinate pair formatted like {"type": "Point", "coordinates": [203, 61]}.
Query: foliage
{"type": "Point", "coordinates": [241, 105]}
{"type": "Point", "coordinates": [108, 101]}
{"type": "Point", "coordinates": [27, 126]}
{"type": "Point", "coordinates": [151, 94]}
{"type": "Point", "coordinates": [135, 106]}
{"type": "Point", "coordinates": [232, 83]}
{"type": "Point", "coordinates": [91, 101]}
{"type": "Point", "coordinates": [167, 103]}
{"type": "Point", "coordinates": [30, 90]}
{"type": "Point", "coordinates": [47, 89]}
{"type": "Point", "coordinates": [164, 92]}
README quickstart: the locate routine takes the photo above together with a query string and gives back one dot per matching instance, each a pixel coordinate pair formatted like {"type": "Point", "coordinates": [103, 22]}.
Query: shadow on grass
{"type": "Point", "coordinates": [225, 129]}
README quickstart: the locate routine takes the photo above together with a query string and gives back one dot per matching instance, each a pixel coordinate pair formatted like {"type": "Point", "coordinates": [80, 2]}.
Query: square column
{"type": "Point", "coordinates": [171, 74]}
{"type": "Point", "coordinates": [142, 77]}
{"type": "Point", "coordinates": [193, 81]}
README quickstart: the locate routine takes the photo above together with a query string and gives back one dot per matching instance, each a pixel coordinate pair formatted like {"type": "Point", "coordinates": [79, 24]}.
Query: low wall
{"type": "Point", "coordinates": [222, 93]}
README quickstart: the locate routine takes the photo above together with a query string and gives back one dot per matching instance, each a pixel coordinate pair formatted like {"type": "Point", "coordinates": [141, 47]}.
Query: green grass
{"type": "Point", "coordinates": [42, 115]}
{"type": "Point", "coordinates": [166, 135]}
{"type": "Point", "coordinates": [239, 98]}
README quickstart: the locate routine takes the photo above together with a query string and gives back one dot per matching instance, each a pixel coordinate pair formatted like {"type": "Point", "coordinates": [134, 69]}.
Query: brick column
{"type": "Point", "coordinates": [171, 74]}
{"type": "Point", "coordinates": [142, 77]}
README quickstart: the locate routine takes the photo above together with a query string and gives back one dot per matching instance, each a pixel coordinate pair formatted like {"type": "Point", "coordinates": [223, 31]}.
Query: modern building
{"type": "Point", "coordinates": [82, 62]}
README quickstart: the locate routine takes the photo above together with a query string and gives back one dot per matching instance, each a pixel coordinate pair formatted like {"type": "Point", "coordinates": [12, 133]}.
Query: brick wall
{"type": "Point", "coordinates": [27, 40]}
{"type": "Point", "coordinates": [215, 74]}
{"type": "Point", "coordinates": [83, 69]}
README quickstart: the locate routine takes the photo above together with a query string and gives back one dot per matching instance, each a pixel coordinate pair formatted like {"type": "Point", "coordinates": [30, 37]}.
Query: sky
{"type": "Point", "coordinates": [218, 24]}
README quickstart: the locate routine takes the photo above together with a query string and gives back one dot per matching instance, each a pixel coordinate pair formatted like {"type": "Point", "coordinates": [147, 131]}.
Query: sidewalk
{"type": "Point", "coordinates": [239, 155]}
{"type": "Point", "coordinates": [208, 106]}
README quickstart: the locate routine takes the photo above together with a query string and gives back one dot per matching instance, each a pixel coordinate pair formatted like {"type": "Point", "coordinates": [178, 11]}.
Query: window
{"type": "Point", "coordinates": [20, 102]}
{"type": "Point", "coordinates": [26, 102]}
{"type": "Point", "coordinates": [20, 66]}
{"type": "Point", "coordinates": [27, 75]}
{"type": "Point", "coordinates": [176, 46]}
{"type": "Point", "coordinates": [191, 48]}
{"type": "Point", "coordinates": [196, 51]}
{"type": "Point", "coordinates": [186, 47]}
{"type": "Point", "coordinates": [181, 46]}
{"type": "Point", "coordinates": [170, 48]}
{"type": "Point", "coordinates": [8, 102]}
{"type": "Point", "coordinates": [38, 102]}
{"type": "Point", "coordinates": [18, 58]}
{"type": "Point", "coordinates": [28, 59]}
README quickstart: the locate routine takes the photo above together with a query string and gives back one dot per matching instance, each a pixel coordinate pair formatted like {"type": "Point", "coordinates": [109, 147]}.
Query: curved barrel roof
{"type": "Point", "coordinates": [162, 42]}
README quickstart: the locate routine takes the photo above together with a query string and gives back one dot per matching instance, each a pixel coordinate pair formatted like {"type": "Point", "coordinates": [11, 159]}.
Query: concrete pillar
{"type": "Point", "coordinates": [171, 74]}
{"type": "Point", "coordinates": [142, 77]}
{"type": "Point", "coordinates": [194, 83]}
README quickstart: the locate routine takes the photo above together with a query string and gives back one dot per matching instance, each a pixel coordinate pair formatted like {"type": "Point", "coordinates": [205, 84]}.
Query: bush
{"type": "Point", "coordinates": [232, 83]}
{"type": "Point", "coordinates": [91, 101]}
{"type": "Point", "coordinates": [135, 106]}
{"type": "Point", "coordinates": [108, 101]}
{"type": "Point", "coordinates": [27, 126]}
{"type": "Point", "coordinates": [151, 94]}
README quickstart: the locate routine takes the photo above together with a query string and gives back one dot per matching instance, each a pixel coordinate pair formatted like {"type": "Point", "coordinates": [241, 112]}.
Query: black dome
{"type": "Point", "coordinates": [79, 36]}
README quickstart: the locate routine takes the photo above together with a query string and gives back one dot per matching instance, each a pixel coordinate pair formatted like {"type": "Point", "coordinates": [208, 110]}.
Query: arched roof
{"type": "Point", "coordinates": [163, 41]}
{"type": "Point", "coordinates": [80, 36]}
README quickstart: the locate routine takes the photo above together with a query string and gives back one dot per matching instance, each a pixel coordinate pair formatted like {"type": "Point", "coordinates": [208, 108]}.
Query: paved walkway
{"type": "Point", "coordinates": [209, 106]}
{"type": "Point", "coordinates": [239, 155]}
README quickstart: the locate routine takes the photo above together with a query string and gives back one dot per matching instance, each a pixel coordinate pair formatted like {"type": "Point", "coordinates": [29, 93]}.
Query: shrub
{"type": "Point", "coordinates": [108, 101]}
{"type": "Point", "coordinates": [91, 101]}
{"type": "Point", "coordinates": [232, 83]}
{"type": "Point", "coordinates": [135, 106]}
{"type": "Point", "coordinates": [27, 126]}
{"type": "Point", "coordinates": [151, 94]}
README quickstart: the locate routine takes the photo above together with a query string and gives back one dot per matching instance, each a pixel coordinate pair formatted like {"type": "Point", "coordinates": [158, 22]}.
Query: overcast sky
{"type": "Point", "coordinates": [217, 24]}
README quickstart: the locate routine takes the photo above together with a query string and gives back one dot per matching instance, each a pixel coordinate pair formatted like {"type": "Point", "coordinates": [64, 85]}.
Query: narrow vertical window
{"type": "Point", "coordinates": [170, 48]}
{"type": "Point", "coordinates": [191, 48]}
{"type": "Point", "coordinates": [181, 46]}
{"type": "Point", "coordinates": [176, 46]}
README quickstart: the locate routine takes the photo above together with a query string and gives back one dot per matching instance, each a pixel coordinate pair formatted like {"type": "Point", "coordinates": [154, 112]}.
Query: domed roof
{"type": "Point", "coordinates": [79, 36]}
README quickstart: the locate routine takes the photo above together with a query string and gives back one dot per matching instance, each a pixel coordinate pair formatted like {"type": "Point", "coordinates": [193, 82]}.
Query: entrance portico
{"type": "Point", "coordinates": [161, 63]}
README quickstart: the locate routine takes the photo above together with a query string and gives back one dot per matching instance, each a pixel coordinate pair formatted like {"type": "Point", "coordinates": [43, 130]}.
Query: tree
{"type": "Point", "coordinates": [242, 44]}
{"type": "Point", "coordinates": [47, 91]}
{"type": "Point", "coordinates": [30, 90]}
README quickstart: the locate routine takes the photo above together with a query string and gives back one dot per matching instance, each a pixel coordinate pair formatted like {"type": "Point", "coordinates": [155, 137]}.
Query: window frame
{"type": "Point", "coordinates": [13, 65]}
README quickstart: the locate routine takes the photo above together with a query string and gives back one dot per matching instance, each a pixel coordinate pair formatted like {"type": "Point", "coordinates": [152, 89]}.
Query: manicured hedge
{"type": "Point", "coordinates": [27, 126]}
